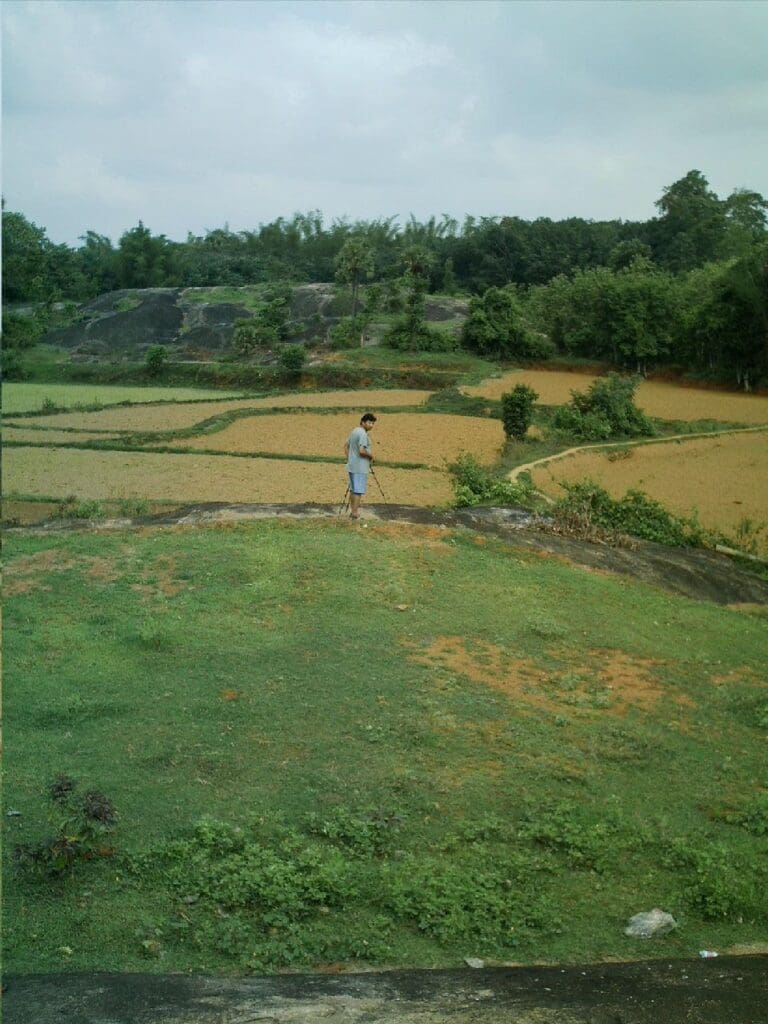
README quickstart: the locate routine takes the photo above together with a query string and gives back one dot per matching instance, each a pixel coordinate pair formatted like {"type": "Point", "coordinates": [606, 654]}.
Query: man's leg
{"type": "Point", "coordinates": [354, 505]}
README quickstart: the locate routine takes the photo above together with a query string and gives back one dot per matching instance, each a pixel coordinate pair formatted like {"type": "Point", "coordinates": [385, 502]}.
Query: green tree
{"type": "Point", "coordinates": [157, 357]}
{"type": "Point", "coordinates": [411, 331]}
{"type": "Point", "coordinates": [25, 259]}
{"type": "Point", "coordinates": [605, 409]}
{"type": "Point", "coordinates": [495, 328]}
{"type": "Point", "coordinates": [354, 264]}
{"type": "Point", "coordinates": [144, 260]}
{"type": "Point", "coordinates": [517, 410]}
{"type": "Point", "coordinates": [692, 226]}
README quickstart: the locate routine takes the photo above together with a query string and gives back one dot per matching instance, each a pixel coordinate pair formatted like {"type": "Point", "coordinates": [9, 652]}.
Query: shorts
{"type": "Point", "coordinates": [358, 483]}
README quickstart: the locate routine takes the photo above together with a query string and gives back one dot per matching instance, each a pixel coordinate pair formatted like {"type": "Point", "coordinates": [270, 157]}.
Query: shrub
{"type": "Point", "coordinates": [474, 485]}
{"type": "Point", "coordinates": [588, 504]}
{"type": "Point", "coordinates": [495, 328]}
{"type": "Point", "coordinates": [517, 410]}
{"type": "Point", "coordinates": [253, 333]}
{"type": "Point", "coordinates": [606, 409]}
{"type": "Point", "coordinates": [718, 882]}
{"type": "Point", "coordinates": [157, 356]}
{"type": "Point", "coordinates": [293, 357]}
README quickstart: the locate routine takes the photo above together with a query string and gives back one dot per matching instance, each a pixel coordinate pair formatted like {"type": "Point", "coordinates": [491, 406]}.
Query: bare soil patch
{"type": "Point", "coordinates": [657, 398]}
{"type": "Point", "coordinates": [422, 438]}
{"type": "Point", "coordinates": [724, 478]}
{"type": "Point", "coordinates": [57, 472]}
{"type": "Point", "coordinates": [609, 682]}
{"type": "Point", "coordinates": [31, 572]}
{"type": "Point", "coordinates": [173, 416]}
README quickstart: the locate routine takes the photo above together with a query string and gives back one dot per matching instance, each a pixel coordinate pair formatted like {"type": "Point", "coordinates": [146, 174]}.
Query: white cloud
{"type": "Point", "coordinates": [189, 114]}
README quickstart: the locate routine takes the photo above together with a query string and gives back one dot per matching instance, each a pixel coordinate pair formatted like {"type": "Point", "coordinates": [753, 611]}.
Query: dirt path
{"type": "Point", "coordinates": [727, 990]}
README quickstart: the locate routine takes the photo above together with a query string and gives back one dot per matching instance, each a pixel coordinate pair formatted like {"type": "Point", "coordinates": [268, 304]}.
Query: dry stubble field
{"type": "Point", "coordinates": [723, 478]}
{"type": "Point", "coordinates": [657, 398]}
{"type": "Point", "coordinates": [421, 438]}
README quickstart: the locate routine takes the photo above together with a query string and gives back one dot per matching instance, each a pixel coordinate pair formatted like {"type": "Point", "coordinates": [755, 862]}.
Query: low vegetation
{"type": "Point", "coordinates": [511, 774]}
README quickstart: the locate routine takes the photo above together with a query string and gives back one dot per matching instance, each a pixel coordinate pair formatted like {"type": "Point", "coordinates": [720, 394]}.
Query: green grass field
{"type": "Point", "coordinates": [32, 396]}
{"type": "Point", "coordinates": [381, 745]}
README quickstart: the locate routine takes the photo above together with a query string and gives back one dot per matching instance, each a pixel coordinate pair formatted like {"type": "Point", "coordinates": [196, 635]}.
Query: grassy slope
{"type": "Point", "coordinates": [258, 673]}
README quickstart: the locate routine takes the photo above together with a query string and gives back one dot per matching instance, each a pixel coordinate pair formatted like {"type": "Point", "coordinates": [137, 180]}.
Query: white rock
{"type": "Point", "coordinates": [650, 924]}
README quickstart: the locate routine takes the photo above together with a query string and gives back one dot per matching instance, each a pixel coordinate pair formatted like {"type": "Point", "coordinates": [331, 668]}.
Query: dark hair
{"type": "Point", "coordinates": [368, 418]}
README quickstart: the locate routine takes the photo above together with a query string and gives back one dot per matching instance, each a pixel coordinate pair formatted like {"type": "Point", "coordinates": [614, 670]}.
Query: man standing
{"type": "Point", "coordinates": [359, 452]}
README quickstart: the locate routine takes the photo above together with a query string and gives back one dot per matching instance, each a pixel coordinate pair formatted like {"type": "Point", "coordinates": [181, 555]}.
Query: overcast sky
{"type": "Point", "coordinates": [192, 114]}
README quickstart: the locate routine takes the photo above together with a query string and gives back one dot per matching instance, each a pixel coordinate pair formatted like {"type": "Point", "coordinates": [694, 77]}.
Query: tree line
{"type": "Point", "coordinates": [688, 287]}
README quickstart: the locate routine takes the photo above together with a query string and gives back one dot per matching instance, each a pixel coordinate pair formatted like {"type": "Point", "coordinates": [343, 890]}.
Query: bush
{"type": "Point", "coordinates": [495, 328]}
{"type": "Point", "coordinates": [517, 410]}
{"type": "Point", "coordinates": [586, 505]}
{"type": "Point", "coordinates": [157, 356]}
{"type": "Point", "coordinates": [293, 357]}
{"type": "Point", "coordinates": [474, 485]}
{"type": "Point", "coordinates": [253, 333]}
{"type": "Point", "coordinates": [408, 336]}
{"type": "Point", "coordinates": [605, 410]}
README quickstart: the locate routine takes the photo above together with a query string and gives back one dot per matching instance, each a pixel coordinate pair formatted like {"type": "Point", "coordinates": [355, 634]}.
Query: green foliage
{"type": "Point", "coordinates": [346, 334]}
{"type": "Point", "coordinates": [717, 881]}
{"type": "Point", "coordinates": [489, 901]}
{"type": "Point", "coordinates": [83, 822]}
{"type": "Point", "coordinates": [367, 832]}
{"type": "Point", "coordinates": [354, 264]}
{"type": "Point", "coordinates": [586, 505]}
{"type": "Point", "coordinates": [157, 357]}
{"type": "Point", "coordinates": [566, 828]}
{"type": "Point", "coordinates": [606, 409]}
{"type": "Point", "coordinates": [750, 814]}
{"type": "Point", "coordinates": [278, 882]}
{"type": "Point", "coordinates": [495, 328]}
{"type": "Point", "coordinates": [410, 332]}
{"type": "Point", "coordinates": [292, 358]}
{"type": "Point", "coordinates": [475, 485]}
{"type": "Point", "coordinates": [517, 410]}
{"type": "Point", "coordinates": [75, 508]}
{"type": "Point", "coordinates": [253, 333]}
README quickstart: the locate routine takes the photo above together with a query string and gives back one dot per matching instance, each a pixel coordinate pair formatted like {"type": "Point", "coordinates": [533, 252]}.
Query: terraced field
{"type": "Point", "coordinates": [724, 479]}
{"type": "Point", "coordinates": [657, 398]}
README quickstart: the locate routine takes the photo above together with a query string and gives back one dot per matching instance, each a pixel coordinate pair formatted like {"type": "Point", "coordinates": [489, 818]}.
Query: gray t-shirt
{"type": "Point", "coordinates": [356, 463]}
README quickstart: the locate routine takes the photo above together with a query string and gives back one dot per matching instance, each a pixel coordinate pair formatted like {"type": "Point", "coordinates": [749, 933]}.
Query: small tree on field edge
{"type": "Point", "coordinates": [517, 410]}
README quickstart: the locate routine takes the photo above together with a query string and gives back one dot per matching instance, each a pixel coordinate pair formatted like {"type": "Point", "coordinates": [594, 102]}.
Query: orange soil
{"type": "Point", "coordinates": [724, 478]}
{"type": "Point", "coordinates": [609, 682]}
{"type": "Point", "coordinates": [56, 472]}
{"type": "Point", "coordinates": [30, 572]}
{"type": "Point", "coordinates": [657, 398]}
{"type": "Point", "coordinates": [172, 416]}
{"type": "Point", "coordinates": [430, 439]}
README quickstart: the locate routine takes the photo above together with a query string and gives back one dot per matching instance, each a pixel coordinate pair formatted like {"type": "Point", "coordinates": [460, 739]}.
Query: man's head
{"type": "Point", "coordinates": [367, 421]}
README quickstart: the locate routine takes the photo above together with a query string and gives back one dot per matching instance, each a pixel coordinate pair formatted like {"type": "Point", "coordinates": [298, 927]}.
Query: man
{"type": "Point", "coordinates": [359, 452]}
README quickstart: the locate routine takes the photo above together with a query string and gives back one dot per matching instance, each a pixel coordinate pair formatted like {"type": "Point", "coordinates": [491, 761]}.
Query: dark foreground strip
{"type": "Point", "coordinates": [726, 990]}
